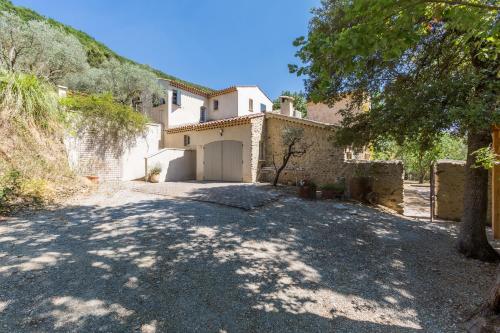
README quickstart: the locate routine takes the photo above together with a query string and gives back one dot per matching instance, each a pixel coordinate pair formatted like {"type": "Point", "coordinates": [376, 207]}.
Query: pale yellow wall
{"type": "Point", "coordinates": [242, 133]}
{"type": "Point", "coordinates": [228, 106]}
{"type": "Point", "coordinates": [245, 93]}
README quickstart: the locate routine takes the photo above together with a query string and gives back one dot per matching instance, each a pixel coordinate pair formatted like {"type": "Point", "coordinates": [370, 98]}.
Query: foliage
{"type": "Point", "coordinates": [97, 53]}
{"type": "Point", "coordinates": [156, 170]}
{"type": "Point", "coordinates": [10, 186]}
{"type": "Point", "coordinates": [37, 48]}
{"type": "Point", "coordinates": [299, 101]}
{"type": "Point", "coordinates": [125, 81]}
{"type": "Point", "coordinates": [485, 158]}
{"type": "Point", "coordinates": [416, 161]}
{"type": "Point", "coordinates": [337, 187]}
{"type": "Point", "coordinates": [26, 100]}
{"type": "Point", "coordinates": [107, 124]}
{"type": "Point", "coordinates": [427, 66]}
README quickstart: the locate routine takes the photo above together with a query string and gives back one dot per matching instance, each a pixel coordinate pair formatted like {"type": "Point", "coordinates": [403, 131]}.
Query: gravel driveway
{"type": "Point", "coordinates": [127, 261]}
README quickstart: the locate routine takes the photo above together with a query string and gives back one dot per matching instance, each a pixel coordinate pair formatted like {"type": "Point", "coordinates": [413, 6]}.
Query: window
{"type": "Point", "coordinates": [250, 105]}
{"type": "Point", "coordinates": [176, 97]}
{"type": "Point", "coordinates": [262, 107]}
{"type": "Point", "coordinates": [187, 140]}
{"type": "Point", "coordinates": [216, 104]}
{"type": "Point", "coordinates": [203, 114]}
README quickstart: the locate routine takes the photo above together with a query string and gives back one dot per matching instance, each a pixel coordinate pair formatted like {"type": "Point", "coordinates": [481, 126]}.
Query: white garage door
{"type": "Point", "coordinates": [223, 161]}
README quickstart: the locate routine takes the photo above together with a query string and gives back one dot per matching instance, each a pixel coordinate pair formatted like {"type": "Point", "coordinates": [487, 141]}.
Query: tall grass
{"type": "Point", "coordinates": [26, 100]}
{"type": "Point", "coordinates": [33, 162]}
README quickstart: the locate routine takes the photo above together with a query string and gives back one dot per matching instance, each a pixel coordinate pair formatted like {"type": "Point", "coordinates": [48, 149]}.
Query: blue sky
{"type": "Point", "coordinates": [216, 43]}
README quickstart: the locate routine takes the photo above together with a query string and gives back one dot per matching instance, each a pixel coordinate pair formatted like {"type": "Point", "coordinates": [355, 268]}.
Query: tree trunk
{"type": "Point", "coordinates": [282, 167]}
{"type": "Point", "coordinates": [487, 317]}
{"type": "Point", "coordinates": [472, 240]}
{"type": "Point", "coordinates": [421, 178]}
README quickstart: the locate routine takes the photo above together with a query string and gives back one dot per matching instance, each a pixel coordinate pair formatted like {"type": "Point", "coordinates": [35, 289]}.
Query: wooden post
{"type": "Point", "coordinates": [495, 185]}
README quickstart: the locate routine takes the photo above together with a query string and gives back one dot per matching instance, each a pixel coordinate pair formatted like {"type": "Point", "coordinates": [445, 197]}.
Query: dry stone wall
{"type": "Point", "coordinates": [324, 162]}
{"type": "Point", "coordinates": [450, 180]}
{"type": "Point", "coordinates": [386, 181]}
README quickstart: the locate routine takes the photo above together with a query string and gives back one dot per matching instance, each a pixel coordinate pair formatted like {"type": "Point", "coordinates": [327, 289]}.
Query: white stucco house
{"type": "Point", "coordinates": [232, 134]}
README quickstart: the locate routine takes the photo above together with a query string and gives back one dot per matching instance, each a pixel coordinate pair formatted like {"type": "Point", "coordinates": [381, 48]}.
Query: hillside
{"type": "Point", "coordinates": [97, 52]}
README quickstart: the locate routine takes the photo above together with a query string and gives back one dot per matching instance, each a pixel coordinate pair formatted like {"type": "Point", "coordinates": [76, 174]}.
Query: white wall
{"type": "Point", "coordinates": [241, 133]}
{"type": "Point", "coordinates": [132, 161]}
{"type": "Point", "coordinates": [245, 93]}
{"type": "Point", "coordinates": [176, 164]}
{"type": "Point", "coordinates": [189, 110]}
{"type": "Point", "coordinates": [228, 106]}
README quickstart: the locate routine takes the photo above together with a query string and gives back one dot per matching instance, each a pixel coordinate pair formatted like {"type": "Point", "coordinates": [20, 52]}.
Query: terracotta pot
{"type": "Point", "coordinates": [93, 179]}
{"type": "Point", "coordinates": [154, 178]}
{"type": "Point", "coordinates": [307, 192]}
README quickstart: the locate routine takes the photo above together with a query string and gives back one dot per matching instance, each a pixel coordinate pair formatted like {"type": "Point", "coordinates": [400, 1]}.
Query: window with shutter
{"type": "Point", "coordinates": [250, 105]}
{"type": "Point", "coordinates": [176, 97]}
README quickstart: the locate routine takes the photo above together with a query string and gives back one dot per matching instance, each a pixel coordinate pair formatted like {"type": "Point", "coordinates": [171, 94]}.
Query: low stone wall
{"type": "Point", "coordinates": [322, 163]}
{"type": "Point", "coordinates": [325, 163]}
{"type": "Point", "coordinates": [450, 180]}
{"type": "Point", "coordinates": [387, 181]}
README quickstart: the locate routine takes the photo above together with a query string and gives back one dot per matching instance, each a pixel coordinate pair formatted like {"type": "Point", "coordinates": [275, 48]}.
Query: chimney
{"type": "Point", "coordinates": [287, 106]}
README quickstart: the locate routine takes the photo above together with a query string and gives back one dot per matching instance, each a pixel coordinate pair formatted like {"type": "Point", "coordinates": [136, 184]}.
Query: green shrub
{"type": "Point", "coordinates": [337, 187]}
{"type": "Point", "coordinates": [27, 100]}
{"type": "Point", "coordinates": [10, 187]}
{"type": "Point", "coordinates": [109, 125]}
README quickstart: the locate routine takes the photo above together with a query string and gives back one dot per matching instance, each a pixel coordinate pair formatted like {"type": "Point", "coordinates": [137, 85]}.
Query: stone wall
{"type": "Point", "coordinates": [322, 163]}
{"type": "Point", "coordinates": [386, 181]}
{"type": "Point", "coordinates": [450, 180]}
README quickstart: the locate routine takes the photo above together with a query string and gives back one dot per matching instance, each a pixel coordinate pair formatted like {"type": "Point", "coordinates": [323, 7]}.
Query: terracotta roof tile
{"type": "Point", "coordinates": [214, 124]}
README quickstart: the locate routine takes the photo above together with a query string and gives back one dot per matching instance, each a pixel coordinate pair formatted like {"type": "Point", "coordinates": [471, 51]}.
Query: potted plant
{"type": "Point", "coordinates": [307, 189]}
{"type": "Point", "coordinates": [154, 174]}
{"type": "Point", "coordinates": [331, 191]}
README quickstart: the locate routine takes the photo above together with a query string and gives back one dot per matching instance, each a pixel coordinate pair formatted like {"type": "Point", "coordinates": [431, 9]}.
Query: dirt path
{"type": "Point", "coordinates": [416, 200]}
{"type": "Point", "coordinates": [125, 261]}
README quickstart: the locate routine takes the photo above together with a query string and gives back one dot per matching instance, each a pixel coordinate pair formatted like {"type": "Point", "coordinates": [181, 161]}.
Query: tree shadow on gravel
{"type": "Point", "coordinates": [184, 266]}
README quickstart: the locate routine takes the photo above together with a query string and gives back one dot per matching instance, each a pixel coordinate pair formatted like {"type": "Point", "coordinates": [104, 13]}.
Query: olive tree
{"type": "Point", "coordinates": [37, 48]}
{"type": "Point", "coordinates": [292, 139]}
{"type": "Point", "coordinates": [125, 81]}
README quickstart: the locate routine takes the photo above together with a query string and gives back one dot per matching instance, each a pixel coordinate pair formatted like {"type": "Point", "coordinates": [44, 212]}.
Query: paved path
{"type": "Point", "coordinates": [127, 261]}
{"type": "Point", "coordinates": [416, 200]}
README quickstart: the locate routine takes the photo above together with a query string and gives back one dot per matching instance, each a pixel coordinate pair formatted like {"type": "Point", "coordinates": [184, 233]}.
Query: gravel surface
{"type": "Point", "coordinates": [125, 261]}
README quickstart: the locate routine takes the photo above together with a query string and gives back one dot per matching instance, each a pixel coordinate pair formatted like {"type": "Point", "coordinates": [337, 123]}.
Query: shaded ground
{"type": "Point", "coordinates": [126, 261]}
{"type": "Point", "coordinates": [237, 195]}
{"type": "Point", "coordinates": [417, 200]}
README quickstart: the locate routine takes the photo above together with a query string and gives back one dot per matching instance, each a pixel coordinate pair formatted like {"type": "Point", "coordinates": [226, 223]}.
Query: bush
{"type": "Point", "coordinates": [337, 187]}
{"type": "Point", "coordinates": [107, 124]}
{"type": "Point", "coordinates": [27, 100]}
{"type": "Point", "coordinates": [10, 187]}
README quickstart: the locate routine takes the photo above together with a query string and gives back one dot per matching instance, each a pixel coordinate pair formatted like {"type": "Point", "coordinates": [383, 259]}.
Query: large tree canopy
{"type": "Point", "coordinates": [37, 48]}
{"type": "Point", "coordinates": [428, 67]}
